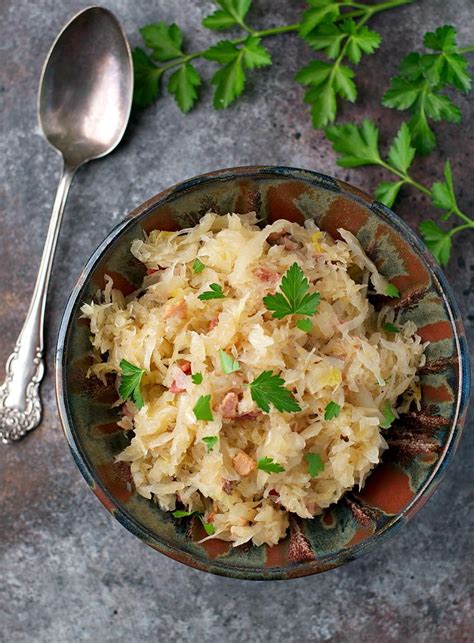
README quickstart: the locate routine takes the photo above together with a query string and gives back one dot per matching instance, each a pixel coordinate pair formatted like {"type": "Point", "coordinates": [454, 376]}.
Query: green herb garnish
{"type": "Point", "coordinates": [388, 416]}
{"type": "Point", "coordinates": [267, 465]}
{"type": "Point", "coordinates": [390, 328]}
{"type": "Point", "coordinates": [293, 298]}
{"type": "Point", "coordinates": [215, 292]}
{"type": "Point", "coordinates": [358, 145]}
{"type": "Point", "coordinates": [306, 325]}
{"type": "Point", "coordinates": [331, 411]}
{"type": "Point", "coordinates": [392, 291]}
{"type": "Point", "coordinates": [228, 363]}
{"type": "Point", "coordinates": [210, 441]}
{"type": "Point", "coordinates": [208, 527]}
{"type": "Point", "coordinates": [331, 26]}
{"type": "Point", "coordinates": [180, 513]}
{"type": "Point", "coordinates": [202, 408]}
{"type": "Point", "coordinates": [421, 82]}
{"type": "Point", "coordinates": [198, 266]}
{"type": "Point", "coordinates": [268, 389]}
{"type": "Point", "coordinates": [315, 464]}
{"type": "Point", "coordinates": [130, 381]}
{"type": "Point", "coordinates": [196, 378]}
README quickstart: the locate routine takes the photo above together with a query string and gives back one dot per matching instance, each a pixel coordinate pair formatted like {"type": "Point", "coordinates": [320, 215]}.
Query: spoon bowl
{"type": "Point", "coordinates": [86, 87]}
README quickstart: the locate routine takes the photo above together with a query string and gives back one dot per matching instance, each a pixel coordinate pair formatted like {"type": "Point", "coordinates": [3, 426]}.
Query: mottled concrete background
{"type": "Point", "coordinates": [69, 571]}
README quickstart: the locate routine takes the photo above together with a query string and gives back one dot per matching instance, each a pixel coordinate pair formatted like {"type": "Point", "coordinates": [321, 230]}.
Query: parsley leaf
{"type": "Point", "coordinates": [228, 363]}
{"type": "Point", "coordinates": [130, 381]}
{"type": "Point", "coordinates": [306, 325]}
{"type": "Point", "coordinates": [208, 526]}
{"type": "Point", "coordinates": [401, 153]}
{"type": "Point", "coordinates": [392, 291]}
{"type": "Point", "coordinates": [147, 78]}
{"type": "Point", "coordinates": [390, 328]}
{"type": "Point", "coordinates": [164, 41]}
{"type": "Point", "coordinates": [315, 464]}
{"type": "Point", "coordinates": [320, 11]}
{"type": "Point", "coordinates": [202, 408]}
{"type": "Point", "coordinates": [437, 240]}
{"type": "Point", "coordinates": [215, 292]}
{"type": "Point", "coordinates": [442, 193]}
{"type": "Point", "coordinates": [387, 191]}
{"type": "Point", "coordinates": [182, 84]}
{"type": "Point", "coordinates": [294, 300]}
{"type": "Point", "coordinates": [326, 81]}
{"type": "Point", "coordinates": [210, 441]}
{"type": "Point", "coordinates": [267, 465]}
{"type": "Point", "coordinates": [420, 82]}
{"type": "Point", "coordinates": [230, 78]}
{"type": "Point", "coordinates": [198, 266]}
{"type": "Point", "coordinates": [358, 145]}
{"type": "Point", "coordinates": [331, 411]}
{"type": "Point", "coordinates": [268, 389]}
{"type": "Point", "coordinates": [196, 378]}
{"type": "Point", "coordinates": [361, 40]}
{"type": "Point", "coordinates": [180, 513]}
{"type": "Point", "coordinates": [388, 416]}
{"type": "Point", "coordinates": [230, 14]}
{"type": "Point", "coordinates": [449, 67]}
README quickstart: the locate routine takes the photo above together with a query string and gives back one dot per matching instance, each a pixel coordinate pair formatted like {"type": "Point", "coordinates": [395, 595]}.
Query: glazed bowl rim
{"type": "Point", "coordinates": [326, 560]}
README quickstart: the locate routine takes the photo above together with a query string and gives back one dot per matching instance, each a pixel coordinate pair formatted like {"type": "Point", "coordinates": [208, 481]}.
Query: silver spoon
{"type": "Point", "coordinates": [84, 103]}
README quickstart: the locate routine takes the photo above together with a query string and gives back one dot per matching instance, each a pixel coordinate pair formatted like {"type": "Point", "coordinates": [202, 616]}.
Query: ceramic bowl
{"type": "Point", "coordinates": [421, 444]}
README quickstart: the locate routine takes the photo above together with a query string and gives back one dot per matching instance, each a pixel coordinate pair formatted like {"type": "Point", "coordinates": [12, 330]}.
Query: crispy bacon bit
{"type": "Point", "coordinates": [267, 276]}
{"type": "Point", "coordinates": [178, 310]}
{"type": "Point", "coordinates": [243, 464]}
{"type": "Point", "coordinates": [185, 367]}
{"type": "Point", "coordinates": [151, 271]}
{"type": "Point", "coordinates": [126, 412]}
{"type": "Point", "coordinates": [275, 496]}
{"type": "Point", "coordinates": [213, 323]}
{"type": "Point", "coordinates": [275, 238]}
{"type": "Point", "coordinates": [178, 385]}
{"type": "Point", "coordinates": [228, 486]}
{"type": "Point", "coordinates": [211, 516]}
{"type": "Point", "coordinates": [228, 406]}
{"type": "Point", "coordinates": [251, 415]}
{"type": "Point", "coordinates": [283, 238]}
{"type": "Point", "coordinates": [312, 507]}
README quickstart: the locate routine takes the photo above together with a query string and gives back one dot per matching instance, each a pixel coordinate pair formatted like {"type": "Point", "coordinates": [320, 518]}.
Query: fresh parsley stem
{"type": "Point", "coordinates": [459, 228]}
{"type": "Point", "coordinates": [407, 178]}
{"type": "Point", "coordinates": [366, 11]}
{"type": "Point", "coordinates": [467, 50]}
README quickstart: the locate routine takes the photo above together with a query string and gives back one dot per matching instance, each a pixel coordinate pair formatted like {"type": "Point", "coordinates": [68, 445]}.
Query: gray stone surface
{"type": "Point", "coordinates": [69, 571]}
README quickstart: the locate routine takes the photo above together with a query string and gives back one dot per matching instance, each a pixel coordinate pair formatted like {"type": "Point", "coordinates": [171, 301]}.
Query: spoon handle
{"type": "Point", "coordinates": [20, 403]}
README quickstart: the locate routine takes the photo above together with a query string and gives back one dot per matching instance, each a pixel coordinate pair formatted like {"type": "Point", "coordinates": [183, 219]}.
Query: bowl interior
{"type": "Point", "coordinates": [420, 443]}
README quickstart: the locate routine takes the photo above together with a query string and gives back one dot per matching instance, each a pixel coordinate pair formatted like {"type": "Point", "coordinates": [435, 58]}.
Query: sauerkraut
{"type": "Point", "coordinates": [351, 357]}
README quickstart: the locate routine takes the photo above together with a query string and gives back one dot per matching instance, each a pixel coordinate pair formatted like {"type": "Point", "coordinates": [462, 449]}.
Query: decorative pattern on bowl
{"type": "Point", "coordinates": [421, 444]}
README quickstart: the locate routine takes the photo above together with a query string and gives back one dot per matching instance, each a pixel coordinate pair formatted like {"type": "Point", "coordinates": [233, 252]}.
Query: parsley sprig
{"type": "Point", "coordinates": [269, 466]}
{"type": "Point", "coordinates": [208, 526]}
{"type": "Point", "coordinates": [421, 82]}
{"type": "Point", "coordinates": [268, 389]}
{"type": "Point", "coordinates": [130, 381]}
{"type": "Point", "coordinates": [294, 298]}
{"type": "Point", "coordinates": [315, 464]}
{"type": "Point", "coordinates": [359, 145]}
{"type": "Point", "coordinates": [335, 27]}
